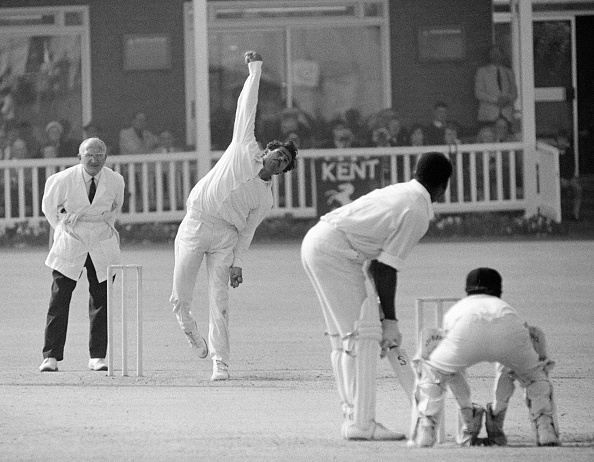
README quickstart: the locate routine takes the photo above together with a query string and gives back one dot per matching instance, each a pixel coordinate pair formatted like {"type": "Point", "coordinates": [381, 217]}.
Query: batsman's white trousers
{"type": "Point", "coordinates": [336, 273]}
{"type": "Point", "coordinates": [201, 236]}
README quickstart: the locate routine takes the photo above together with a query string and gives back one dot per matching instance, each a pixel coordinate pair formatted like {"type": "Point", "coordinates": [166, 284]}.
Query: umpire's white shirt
{"type": "Point", "coordinates": [386, 223]}
{"type": "Point", "coordinates": [232, 190]}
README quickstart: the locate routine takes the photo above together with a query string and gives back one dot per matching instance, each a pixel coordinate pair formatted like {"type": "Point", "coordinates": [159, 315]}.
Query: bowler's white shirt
{"type": "Point", "coordinates": [232, 190]}
{"type": "Point", "coordinates": [386, 223]}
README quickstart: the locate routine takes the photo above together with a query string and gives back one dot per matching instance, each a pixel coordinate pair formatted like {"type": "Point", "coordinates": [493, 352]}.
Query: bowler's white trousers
{"type": "Point", "coordinates": [201, 236]}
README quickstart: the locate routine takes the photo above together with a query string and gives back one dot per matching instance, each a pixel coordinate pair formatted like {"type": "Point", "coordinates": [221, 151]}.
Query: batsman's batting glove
{"type": "Point", "coordinates": [391, 335]}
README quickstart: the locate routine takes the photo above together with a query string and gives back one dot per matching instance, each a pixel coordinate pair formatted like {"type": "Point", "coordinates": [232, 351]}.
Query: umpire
{"type": "Point", "coordinates": [81, 204]}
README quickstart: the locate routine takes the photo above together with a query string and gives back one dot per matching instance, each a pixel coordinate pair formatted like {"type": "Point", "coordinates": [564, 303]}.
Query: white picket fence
{"type": "Point", "coordinates": [487, 177]}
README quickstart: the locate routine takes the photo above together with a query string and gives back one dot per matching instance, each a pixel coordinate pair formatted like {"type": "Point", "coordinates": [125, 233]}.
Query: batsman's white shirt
{"type": "Point", "coordinates": [232, 190]}
{"type": "Point", "coordinates": [386, 223]}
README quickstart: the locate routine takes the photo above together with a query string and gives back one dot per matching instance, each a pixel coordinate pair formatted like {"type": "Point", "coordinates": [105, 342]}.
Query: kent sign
{"type": "Point", "coordinates": [341, 180]}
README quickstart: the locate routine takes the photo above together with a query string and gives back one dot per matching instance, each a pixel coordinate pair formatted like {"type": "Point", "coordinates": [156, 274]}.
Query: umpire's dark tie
{"type": "Point", "coordinates": [92, 189]}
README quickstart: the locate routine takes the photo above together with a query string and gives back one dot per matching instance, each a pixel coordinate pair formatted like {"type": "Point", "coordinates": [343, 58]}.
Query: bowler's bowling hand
{"type": "Point", "coordinates": [252, 56]}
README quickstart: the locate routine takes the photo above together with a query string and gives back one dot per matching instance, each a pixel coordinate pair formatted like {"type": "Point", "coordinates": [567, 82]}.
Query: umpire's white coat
{"type": "Point", "coordinates": [93, 232]}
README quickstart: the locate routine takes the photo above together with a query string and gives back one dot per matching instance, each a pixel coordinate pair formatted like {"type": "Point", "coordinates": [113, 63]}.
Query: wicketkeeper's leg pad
{"type": "Point", "coordinates": [541, 405]}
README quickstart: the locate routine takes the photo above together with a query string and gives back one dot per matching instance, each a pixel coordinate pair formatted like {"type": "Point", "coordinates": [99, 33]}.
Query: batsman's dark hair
{"type": "Point", "coordinates": [484, 281]}
{"type": "Point", "coordinates": [433, 169]}
{"type": "Point", "coordinates": [290, 146]}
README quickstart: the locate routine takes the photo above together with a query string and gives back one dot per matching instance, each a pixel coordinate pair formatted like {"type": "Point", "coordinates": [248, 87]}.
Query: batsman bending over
{"type": "Point", "coordinates": [483, 328]}
{"type": "Point", "coordinates": [371, 236]}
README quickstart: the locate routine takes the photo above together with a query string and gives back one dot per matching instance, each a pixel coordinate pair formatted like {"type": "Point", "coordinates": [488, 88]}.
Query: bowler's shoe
{"type": "Point", "coordinates": [49, 365]}
{"type": "Point", "coordinates": [97, 364]}
{"type": "Point", "coordinates": [220, 371]}
{"type": "Point", "coordinates": [197, 342]}
{"type": "Point", "coordinates": [375, 432]}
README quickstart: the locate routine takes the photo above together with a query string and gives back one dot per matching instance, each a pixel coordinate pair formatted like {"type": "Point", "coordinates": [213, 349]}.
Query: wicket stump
{"type": "Point", "coordinates": [111, 272]}
{"type": "Point", "coordinates": [439, 303]}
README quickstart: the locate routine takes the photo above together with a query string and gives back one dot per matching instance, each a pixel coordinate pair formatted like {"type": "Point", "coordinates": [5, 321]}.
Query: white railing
{"type": "Point", "coordinates": [487, 177]}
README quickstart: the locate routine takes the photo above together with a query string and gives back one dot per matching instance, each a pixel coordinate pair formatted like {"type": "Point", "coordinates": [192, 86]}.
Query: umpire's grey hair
{"type": "Point", "coordinates": [92, 143]}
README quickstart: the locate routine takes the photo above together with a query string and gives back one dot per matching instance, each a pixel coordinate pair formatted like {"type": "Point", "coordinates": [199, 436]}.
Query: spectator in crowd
{"type": "Point", "coordinates": [503, 132]}
{"type": "Point", "coordinates": [417, 135]}
{"type": "Point", "coordinates": [294, 127]}
{"type": "Point", "coordinates": [450, 134]}
{"type": "Point", "coordinates": [11, 143]}
{"type": "Point", "coordinates": [354, 122]}
{"type": "Point", "coordinates": [435, 130]}
{"type": "Point", "coordinates": [381, 137]}
{"type": "Point", "coordinates": [7, 106]}
{"type": "Point", "coordinates": [31, 138]}
{"type": "Point", "coordinates": [486, 134]}
{"type": "Point", "coordinates": [57, 145]}
{"type": "Point", "coordinates": [495, 88]}
{"type": "Point", "coordinates": [137, 139]}
{"type": "Point", "coordinates": [68, 145]}
{"type": "Point", "coordinates": [398, 133]}
{"type": "Point", "coordinates": [166, 143]}
{"type": "Point", "coordinates": [569, 180]}
{"type": "Point", "coordinates": [91, 130]}
{"type": "Point", "coordinates": [342, 136]}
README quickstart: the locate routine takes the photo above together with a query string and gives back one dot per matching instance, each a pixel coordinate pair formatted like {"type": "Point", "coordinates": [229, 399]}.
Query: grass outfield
{"type": "Point", "coordinates": [281, 404]}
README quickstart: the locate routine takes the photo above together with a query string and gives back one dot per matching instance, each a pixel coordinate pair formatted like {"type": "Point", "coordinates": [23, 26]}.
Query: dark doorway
{"type": "Point", "coordinates": [585, 91]}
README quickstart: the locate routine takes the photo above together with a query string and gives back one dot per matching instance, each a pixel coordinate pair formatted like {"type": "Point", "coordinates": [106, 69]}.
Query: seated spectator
{"type": "Point", "coordinates": [68, 145]}
{"type": "Point", "coordinates": [53, 131]}
{"type": "Point", "coordinates": [31, 137]}
{"type": "Point", "coordinates": [166, 143]}
{"type": "Point", "coordinates": [398, 134]}
{"type": "Point", "coordinates": [486, 134]}
{"type": "Point", "coordinates": [342, 136]}
{"type": "Point", "coordinates": [450, 134]}
{"type": "Point", "coordinates": [355, 124]}
{"type": "Point", "coordinates": [417, 135]}
{"type": "Point", "coordinates": [381, 137]}
{"type": "Point", "coordinates": [294, 127]}
{"type": "Point", "coordinates": [434, 131]}
{"type": "Point", "coordinates": [12, 144]}
{"type": "Point", "coordinates": [137, 139]}
{"type": "Point", "coordinates": [568, 179]}
{"type": "Point", "coordinates": [91, 130]}
{"type": "Point", "coordinates": [503, 131]}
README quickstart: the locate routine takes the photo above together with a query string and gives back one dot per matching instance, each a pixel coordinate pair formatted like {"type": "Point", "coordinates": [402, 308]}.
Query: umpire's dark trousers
{"type": "Point", "coordinates": [59, 307]}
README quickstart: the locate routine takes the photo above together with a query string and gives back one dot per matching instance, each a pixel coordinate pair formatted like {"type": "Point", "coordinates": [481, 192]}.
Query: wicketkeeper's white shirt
{"type": "Point", "coordinates": [232, 190]}
{"type": "Point", "coordinates": [386, 223]}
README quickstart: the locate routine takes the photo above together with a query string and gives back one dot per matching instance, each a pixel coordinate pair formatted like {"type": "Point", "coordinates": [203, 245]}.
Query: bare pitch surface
{"type": "Point", "coordinates": [280, 403]}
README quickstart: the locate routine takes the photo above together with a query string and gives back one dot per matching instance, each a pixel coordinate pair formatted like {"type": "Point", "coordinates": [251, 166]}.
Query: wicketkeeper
{"type": "Point", "coordinates": [357, 245]}
{"type": "Point", "coordinates": [483, 328]}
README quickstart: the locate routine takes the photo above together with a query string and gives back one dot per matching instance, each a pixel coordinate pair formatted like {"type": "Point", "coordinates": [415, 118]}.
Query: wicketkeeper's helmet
{"type": "Point", "coordinates": [483, 281]}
